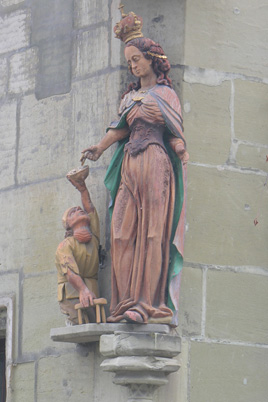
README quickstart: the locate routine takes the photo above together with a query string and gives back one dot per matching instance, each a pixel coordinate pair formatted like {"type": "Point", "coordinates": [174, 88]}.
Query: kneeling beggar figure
{"type": "Point", "coordinates": [147, 182]}
{"type": "Point", "coordinates": [77, 256]}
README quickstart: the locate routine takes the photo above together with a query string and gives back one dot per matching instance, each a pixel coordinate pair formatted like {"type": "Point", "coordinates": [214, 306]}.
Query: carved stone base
{"type": "Point", "coordinates": [140, 361]}
{"type": "Point", "coordinates": [141, 356]}
{"type": "Point", "coordinates": [141, 392]}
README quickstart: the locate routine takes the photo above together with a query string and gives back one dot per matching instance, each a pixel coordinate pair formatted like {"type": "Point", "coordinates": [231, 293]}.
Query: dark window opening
{"type": "Point", "coordinates": [2, 370]}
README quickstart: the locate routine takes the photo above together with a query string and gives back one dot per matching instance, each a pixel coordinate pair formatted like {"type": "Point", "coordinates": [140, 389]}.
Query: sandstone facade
{"type": "Point", "coordinates": [61, 76]}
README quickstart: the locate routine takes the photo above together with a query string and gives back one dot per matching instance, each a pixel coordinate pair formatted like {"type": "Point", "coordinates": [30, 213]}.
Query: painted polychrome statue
{"type": "Point", "coordinates": [147, 182]}
{"type": "Point", "coordinates": [77, 256]}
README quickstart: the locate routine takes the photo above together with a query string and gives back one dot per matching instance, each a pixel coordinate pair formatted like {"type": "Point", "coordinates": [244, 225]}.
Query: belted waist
{"type": "Point", "coordinates": [142, 135]}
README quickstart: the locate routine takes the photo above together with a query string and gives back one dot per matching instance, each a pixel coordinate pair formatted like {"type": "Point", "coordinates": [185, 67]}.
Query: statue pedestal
{"type": "Point", "coordinates": [140, 361]}
{"type": "Point", "coordinates": [141, 356]}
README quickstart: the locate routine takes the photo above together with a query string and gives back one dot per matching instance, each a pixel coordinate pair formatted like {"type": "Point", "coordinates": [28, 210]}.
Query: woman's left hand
{"type": "Point", "coordinates": [184, 157]}
{"type": "Point", "coordinates": [181, 152]}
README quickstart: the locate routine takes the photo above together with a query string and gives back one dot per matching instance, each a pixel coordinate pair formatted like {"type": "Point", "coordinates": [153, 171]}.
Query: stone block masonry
{"type": "Point", "coordinates": [48, 114]}
{"type": "Point", "coordinates": [234, 300]}
{"type": "Point", "coordinates": [228, 373]}
{"type": "Point", "coordinates": [232, 199]}
{"type": "Point", "coordinates": [52, 24]}
{"type": "Point", "coordinates": [92, 54]}
{"type": "Point", "coordinates": [23, 71]}
{"type": "Point", "coordinates": [225, 106]}
{"type": "Point", "coordinates": [46, 140]}
{"type": "Point", "coordinates": [24, 376]}
{"type": "Point", "coordinates": [8, 3]}
{"type": "Point", "coordinates": [3, 76]}
{"type": "Point", "coordinates": [14, 31]}
{"type": "Point", "coordinates": [90, 13]}
{"type": "Point", "coordinates": [227, 36]}
{"type": "Point", "coordinates": [8, 138]}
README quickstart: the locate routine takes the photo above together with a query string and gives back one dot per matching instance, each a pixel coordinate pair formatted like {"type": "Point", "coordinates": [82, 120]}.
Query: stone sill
{"type": "Point", "coordinates": [88, 333]}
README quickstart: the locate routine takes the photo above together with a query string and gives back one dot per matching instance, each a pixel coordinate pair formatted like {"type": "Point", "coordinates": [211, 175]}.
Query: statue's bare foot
{"type": "Point", "coordinates": [133, 317]}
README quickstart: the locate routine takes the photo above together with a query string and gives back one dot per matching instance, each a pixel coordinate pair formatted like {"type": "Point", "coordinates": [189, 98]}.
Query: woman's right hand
{"type": "Point", "coordinates": [93, 153]}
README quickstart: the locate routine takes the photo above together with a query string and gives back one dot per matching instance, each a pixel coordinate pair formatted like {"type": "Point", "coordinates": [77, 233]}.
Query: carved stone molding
{"type": "Point", "coordinates": [140, 356]}
{"type": "Point", "coordinates": [140, 361]}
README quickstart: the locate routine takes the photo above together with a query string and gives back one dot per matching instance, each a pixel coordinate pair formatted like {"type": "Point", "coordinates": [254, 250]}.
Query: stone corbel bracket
{"type": "Point", "coordinates": [140, 361]}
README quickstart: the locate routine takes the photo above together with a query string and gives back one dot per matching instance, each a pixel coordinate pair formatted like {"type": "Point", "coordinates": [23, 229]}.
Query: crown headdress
{"type": "Point", "coordinates": [129, 27]}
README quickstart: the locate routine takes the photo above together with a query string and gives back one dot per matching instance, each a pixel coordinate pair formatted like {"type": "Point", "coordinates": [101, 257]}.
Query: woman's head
{"type": "Point", "coordinates": [153, 51]}
{"type": "Point", "coordinates": [139, 66]}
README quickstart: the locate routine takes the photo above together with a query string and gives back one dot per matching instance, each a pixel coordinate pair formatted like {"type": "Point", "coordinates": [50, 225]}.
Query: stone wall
{"type": "Point", "coordinates": [60, 83]}
{"type": "Point", "coordinates": [56, 98]}
{"type": "Point", "coordinates": [224, 313]}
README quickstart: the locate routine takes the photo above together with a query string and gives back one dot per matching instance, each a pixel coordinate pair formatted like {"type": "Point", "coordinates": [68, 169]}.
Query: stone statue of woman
{"type": "Point", "coordinates": [147, 182]}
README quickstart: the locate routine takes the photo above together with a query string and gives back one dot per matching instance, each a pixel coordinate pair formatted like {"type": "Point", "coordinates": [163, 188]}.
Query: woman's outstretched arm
{"type": "Point", "coordinates": [95, 151]}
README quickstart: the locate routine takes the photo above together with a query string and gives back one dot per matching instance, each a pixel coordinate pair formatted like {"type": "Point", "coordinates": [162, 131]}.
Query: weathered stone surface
{"type": "Point", "coordinates": [92, 51]}
{"type": "Point", "coordinates": [8, 3]}
{"type": "Point", "coordinates": [196, 75]}
{"type": "Point", "coordinates": [36, 212]}
{"type": "Point", "coordinates": [221, 208]}
{"type": "Point", "coordinates": [45, 135]}
{"type": "Point", "coordinates": [117, 46]}
{"type": "Point", "coordinates": [123, 364]}
{"type": "Point", "coordinates": [52, 27]}
{"type": "Point", "coordinates": [252, 157]}
{"type": "Point", "coordinates": [23, 382]}
{"type": "Point", "coordinates": [55, 67]}
{"type": "Point", "coordinates": [138, 344]}
{"type": "Point", "coordinates": [207, 122]}
{"type": "Point", "coordinates": [109, 392]}
{"type": "Point", "coordinates": [190, 308]}
{"type": "Point", "coordinates": [87, 13]}
{"type": "Point", "coordinates": [50, 18]}
{"type": "Point", "coordinates": [14, 31]}
{"type": "Point", "coordinates": [91, 332]}
{"type": "Point", "coordinates": [250, 111]}
{"type": "Point", "coordinates": [23, 70]}
{"type": "Point", "coordinates": [95, 105]}
{"type": "Point", "coordinates": [40, 302]}
{"type": "Point", "coordinates": [176, 76]}
{"type": "Point", "coordinates": [227, 36]}
{"type": "Point", "coordinates": [8, 143]}
{"type": "Point", "coordinates": [3, 76]}
{"type": "Point", "coordinates": [36, 215]}
{"type": "Point", "coordinates": [177, 388]}
{"type": "Point", "coordinates": [237, 307]}
{"type": "Point", "coordinates": [69, 377]}
{"type": "Point", "coordinates": [10, 283]}
{"type": "Point", "coordinates": [228, 373]}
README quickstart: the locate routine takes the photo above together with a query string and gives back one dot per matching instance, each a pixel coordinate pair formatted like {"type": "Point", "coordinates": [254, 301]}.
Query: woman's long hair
{"type": "Point", "coordinates": [160, 66]}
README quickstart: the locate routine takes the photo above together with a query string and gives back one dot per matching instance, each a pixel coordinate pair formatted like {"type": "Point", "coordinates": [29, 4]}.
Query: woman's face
{"type": "Point", "coordinates": [140, 66]}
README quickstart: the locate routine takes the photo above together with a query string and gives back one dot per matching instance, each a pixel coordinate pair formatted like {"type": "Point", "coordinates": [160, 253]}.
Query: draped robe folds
{"type": "Point", "coordinates": [148, 212]}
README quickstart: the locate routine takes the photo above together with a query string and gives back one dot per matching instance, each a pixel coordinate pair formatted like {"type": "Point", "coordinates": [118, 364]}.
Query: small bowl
{"type": "Point", "coordinates": [78, 173]}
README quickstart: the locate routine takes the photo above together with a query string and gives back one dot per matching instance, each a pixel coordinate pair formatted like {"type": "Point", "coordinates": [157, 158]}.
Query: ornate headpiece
{"type": "Point", "coordinates": [129, 27]}
{"type": "Point", "coordinates": [160, 56]}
